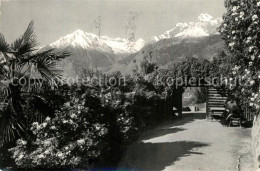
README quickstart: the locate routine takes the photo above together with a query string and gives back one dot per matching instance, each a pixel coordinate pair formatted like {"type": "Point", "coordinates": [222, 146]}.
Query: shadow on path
{"type": "Point", "coordinates": [159, 132]}
{"type": "Point", "coordinates": [156, 156]}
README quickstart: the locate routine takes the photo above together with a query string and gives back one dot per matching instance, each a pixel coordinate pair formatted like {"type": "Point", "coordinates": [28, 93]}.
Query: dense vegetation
{"type": "Point", "coordinates": [92, 124]}
{"type": "Point", "coordinates": [46, 123]}
{"type": "Point", "coordinates": [240, 30]}
{"type": "Point", "coordinates": [83, 125]}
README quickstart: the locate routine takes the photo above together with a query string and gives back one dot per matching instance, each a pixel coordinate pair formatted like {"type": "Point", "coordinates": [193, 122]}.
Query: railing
{"type": "Point", "coordinates": [248, 111]}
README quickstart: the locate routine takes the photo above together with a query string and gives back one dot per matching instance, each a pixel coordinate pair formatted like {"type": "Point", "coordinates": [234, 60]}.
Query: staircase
{"type": "Point", "coordinates": [216, 102]}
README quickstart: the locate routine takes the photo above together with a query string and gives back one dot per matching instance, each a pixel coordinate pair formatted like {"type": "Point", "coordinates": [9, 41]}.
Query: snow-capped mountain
{"type": "Point", "coordinates": [199, 39]}
{"type": "Point", "coordinates": [205, 25]}
{"type": "Point", "coordinates": [196, 39]}
{"type": "Point", "coordinates": [86, 40]}
{"type": "Point", "coordinates": [90, 51]}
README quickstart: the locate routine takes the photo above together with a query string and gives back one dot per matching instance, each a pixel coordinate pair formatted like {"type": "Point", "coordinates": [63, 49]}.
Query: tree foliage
{"type": "Point", "coordinates": [20, 65]}
{"type": "Point", "coordinates": [241, 32]}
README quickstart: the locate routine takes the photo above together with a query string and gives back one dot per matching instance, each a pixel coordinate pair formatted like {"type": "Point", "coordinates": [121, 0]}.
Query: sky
{"type": "Point", "coordinates": [56, 18]}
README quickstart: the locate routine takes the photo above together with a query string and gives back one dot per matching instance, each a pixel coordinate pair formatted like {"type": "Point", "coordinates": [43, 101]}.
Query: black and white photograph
{"type": "Point", "coordinates": [130, 85]}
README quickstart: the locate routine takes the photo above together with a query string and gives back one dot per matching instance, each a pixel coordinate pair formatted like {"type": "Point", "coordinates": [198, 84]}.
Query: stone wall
{"type": "Point", "coordinates": [256, 141]}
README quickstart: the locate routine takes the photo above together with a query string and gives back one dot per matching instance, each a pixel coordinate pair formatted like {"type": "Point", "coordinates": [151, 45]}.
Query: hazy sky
{"type": "Point", "coordinates": [56, 18]}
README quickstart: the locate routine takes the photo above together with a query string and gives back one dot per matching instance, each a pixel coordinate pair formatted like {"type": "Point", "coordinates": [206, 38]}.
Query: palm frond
{"type": "Point", "coordinates": [46, 63]}
{"type": "Point", "coordinates": [21, 61]}
{"type": "Point", "coordinates": [4, 46]}
{"type": "Point", "coordinates": [27, 42]}
{"type": "Point", "coordinates": [15, 122]}
{"type": "Point", "coordinates": [4, 90]}
{"type": "Point", "coordinates": [11, 124]}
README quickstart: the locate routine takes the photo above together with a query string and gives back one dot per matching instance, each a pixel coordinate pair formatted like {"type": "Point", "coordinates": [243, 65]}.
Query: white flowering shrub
{"type": "Point", "coordinates": [71, 139]}
{"type": "Point", "coordinates": [241, 32]}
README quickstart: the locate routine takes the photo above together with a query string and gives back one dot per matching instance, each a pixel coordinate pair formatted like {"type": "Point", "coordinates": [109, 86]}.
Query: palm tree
{"type": "Point", "coordinates": [20, 64]}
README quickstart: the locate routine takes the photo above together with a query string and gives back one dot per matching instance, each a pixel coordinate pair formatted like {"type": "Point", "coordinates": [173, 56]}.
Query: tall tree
{"type": "Point", "coordinates": [130, 28]}
{"type": "Point", "coordinates": [98, 24]}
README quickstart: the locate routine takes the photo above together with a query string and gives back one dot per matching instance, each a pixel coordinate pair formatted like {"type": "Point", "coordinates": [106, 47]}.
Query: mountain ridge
{"type": "Point", "coordinates": [117, 54]}
{"type": "Point", "coordinates": [205, 25]}
{"type": "Point", "coordinates": [87, 40]}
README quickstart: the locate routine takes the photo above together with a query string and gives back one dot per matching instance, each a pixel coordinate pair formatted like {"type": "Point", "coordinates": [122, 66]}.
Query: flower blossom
{"type": "Point", "coordinates": [252, 82]}
{"type": "Point", "coordinates": [254, 17]}
{"type": "Point", "coordinates": [237, 67]}
{"type": "Point", "coordinates": [73, 115]}
{"type": "Point", "coordinates": [22, 142]}
{"type": "Point", "coordinates": [44, 125]}
{"type": "Point", "coordinates": [35, 124]}
{"type": "Point", "coordinates": [48, 119]}
{"type": "Point", "coordinates": [20, 156]}
{"type": "Point", "coordinates": [81, 141]}
{"type": "Point", "coordinates": [64, 121]}
{"type": "Point", "coordinates": [231, 44]}
{"type": "Point", "coordinates": [251, 48]}
{"type": "Point", "coordinates": [60, 154]}
{"type": "Point", "coordinates": [40, 156]}
{"type": "Point", "coordinates": [234, 9]}
{"type": "Point", "coordinates": [53, 127]}
{"type": "Point", "coordinates": [248, 40]}
{"type": "Point", "coordinates": [242, 13]}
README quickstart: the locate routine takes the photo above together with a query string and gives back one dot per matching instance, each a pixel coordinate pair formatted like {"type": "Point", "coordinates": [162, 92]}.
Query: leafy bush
{"type": "Point", "coordinates": [94, 124]}
{"type": "Point", "coordinates": [240, 30]}
{"type": "Point", "coordinates": [71, 139]}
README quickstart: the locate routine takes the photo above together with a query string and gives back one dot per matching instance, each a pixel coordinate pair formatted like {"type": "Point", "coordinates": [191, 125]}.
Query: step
{"type": "Point", "coordinates": [217, 113]}
{"type": "Point", "coordinates": [222, 105]}
{"type": "Point", "coordinates": [217, 91]}
{"type": "Point", "coordinates": [213, 106]}
{"type": "Point", "coordinates": [217, 108]}
{"type": "Point", "coordinates": [216, 99]}
{"type": "Point", "coordinates": [222, 97]}
{"type": "Point", "coordinates": [217, 102]}
{"type": "Point", "coordinates": [216, 95]}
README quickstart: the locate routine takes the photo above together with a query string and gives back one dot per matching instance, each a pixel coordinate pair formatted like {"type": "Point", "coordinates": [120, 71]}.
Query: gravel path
{"type": "Point", "coordinates": [192, 143]}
